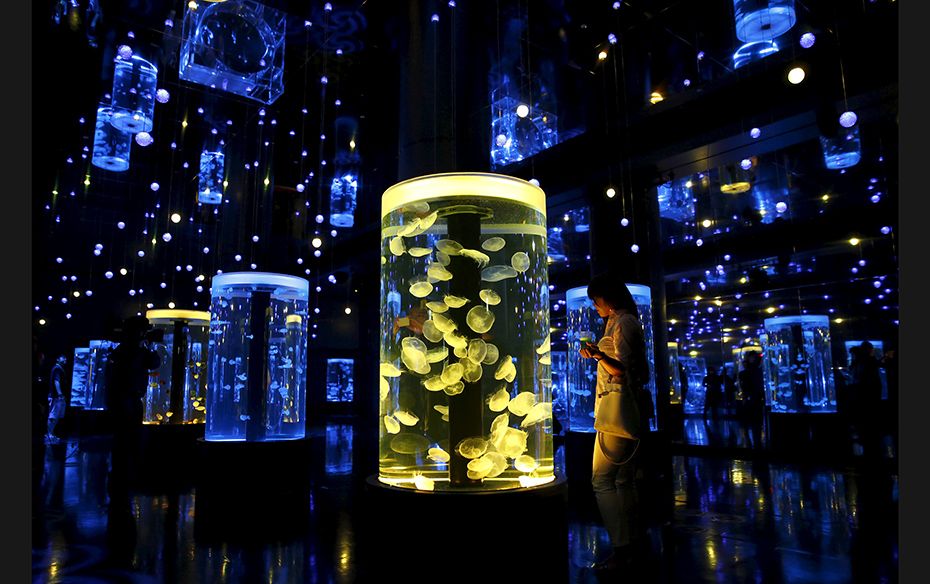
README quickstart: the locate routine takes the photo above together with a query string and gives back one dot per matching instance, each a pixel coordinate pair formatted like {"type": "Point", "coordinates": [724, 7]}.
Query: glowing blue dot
{"type": "Point", "coordinates": [300, 187]}
{"type": "Point", "coordinates": [255, 239]}
{"type": "Point", "coordinates": [132, 292]}
{"type": "Point", "coordinates": [166, 237]}
{"type": "Point", "coordinates": [253, 266]}
{"type": "Point", "coordinates": [624, 222]}
{"type": "Point", "coordinates": [875, 198]}
{"type": "Point", "coordinates": [634, 248]}
{"type": "Point", "coordinates": [534, 182]}
{"type": "Point", "coordinates": [98, 246]}
{"type": "Point", "coordinates": [140, 253]}
{"type": "Point", "coordinates": [121, 225]}
{"type": "Point", "coordinates": [162, 96]}
{"type": "Point", "coordinates": [238, 258]}
{"type": "Point", "coordinates": [333, 233]}
{"type": "Point", "coordinates": [686, 83]}
{"type": "Point", "coordinates": [124, 52]}
{"type": "Point", "coordinates": [317, 253]}
{"type": "Point", "coordinates": [58, 260]}
{"type": "Point", "coordinates": [144, 139]}
{"type": "Point", "coordinates": [188, 267]}
{"type": "Point", "coordinates": [745, 164]}
{"type": "Point", "coordinates": [154, 186]}
{"type": "Point", "coordinates": [755, 132]}
{"type": "Point", "coordinates": [699, 242]}
{"type": "Point", "coordinates": [319, 218]}
{"type": "Point", "coordinates": [434, 18]}
{"type": "Point", "coordinates": [612, 38]}
{"type": "Point", "coordinates": [868, 301]}
{"type": "Point", "coordinates": [886, 230]}
{"type": "Point", "coordinates": [861, 262]}
{"type": "Point", "coordinates": [206, 250]}
{"type": "Point", "coordinates": [616, 6]}
{"type": "Point", "coordinates": [848, 119]}
{"type": "Point", "coordinates": [807, 40]}
{"type": "Point", "coordinates": [328, 7]}
{"type": "Point", "coordinates": [324, 80]}
{"type": "Point", "coordinates": [700, 55]}
{"type": "Point", "coordinates": [332, 279]}
{"type": "Point", "coordinates": [451, 3]}
{"type": "Point", "coordinates": [96, 252]}
{"type": "Point", "coordinates": [726, 257]}
{"type": "Point", "coordinates": [854, 270]}
{"type": "Point", "coordinates": [781, 207]}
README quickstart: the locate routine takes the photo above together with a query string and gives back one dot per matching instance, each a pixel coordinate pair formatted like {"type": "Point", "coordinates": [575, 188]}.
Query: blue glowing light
{"type": "Point", "coordinates": [760, 20]}
{"type": "Point", "coordinates": [807, 40]}
{"type": "Point", "coordinates": [753, 51]}
{"type": "Point", "coordinates": [342, 200]}
{"type": "Point", "coordinates": [843, 150]}
{"type": "Point", "coordinates": [848, 119]}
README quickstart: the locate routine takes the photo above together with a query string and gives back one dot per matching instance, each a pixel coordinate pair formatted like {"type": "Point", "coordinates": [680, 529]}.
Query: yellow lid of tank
{"type": "Point", "coordinates": [177, 314]}
{"type": "Point", "coordinates": [293, 318]}
{"type": "Point", "coordinates": [463, 184]}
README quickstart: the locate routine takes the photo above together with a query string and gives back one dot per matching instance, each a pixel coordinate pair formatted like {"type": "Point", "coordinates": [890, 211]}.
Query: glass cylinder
{"type": "Point", "coordinates": [133, 95]}
{"type": "Point", "coordinates": [342, 199]}
{"type": "Point", "coordinates": [338, 455]}
{"type": "Point", "coordinates": [465, 386]}
{"type": "Point", "coordinates": [584, 325]}
{"type": "Point", "coordinates": [695, 371]}
{"type": "Point", "coordinates": [212, 171]}
{"type": "Point", "coordinates": [754, 51]}
{"type": "Point", "coordinates": [111, 145]}
{"type": "Point", "coordinates": [760, 20]}
{"type": "Point", "coordinates": [800, 370]}
{"type": "Point", "coordinates": [256, 376]}
{"type": "Point", "coordinates": [80, 370]}
{"type": "Point", "coordinates": [842, 150]}
{"type": "Point", "coordinates": [340, 380]}
{"type": "Point", "coordinates": [674, 379]}
{"type": "Point", "coordinates": [96, 396]}
{"type": "Point", "coordinates": [177, 390]}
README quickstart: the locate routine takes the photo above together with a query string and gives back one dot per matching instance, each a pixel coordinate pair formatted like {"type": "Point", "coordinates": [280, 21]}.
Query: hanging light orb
{"type": "Point", "coordinates": [144, 139]}
{"type": "Point", "coordinates": [523, 110]}
{"type": "Point", "coordinates": [848, 119]}
{"type": "Point", "coordinates": [796, 75]}
{"type": "Point", "coordinates": [807, 40]}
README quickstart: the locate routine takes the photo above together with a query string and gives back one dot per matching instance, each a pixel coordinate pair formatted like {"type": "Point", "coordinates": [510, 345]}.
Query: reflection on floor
{"type": "Point", "coordinates": [709, 520]}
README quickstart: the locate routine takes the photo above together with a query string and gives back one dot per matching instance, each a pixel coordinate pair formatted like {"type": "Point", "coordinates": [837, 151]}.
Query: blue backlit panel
{"type": "Point", "coordinates": [340, 380]}
{"type": "Point", "coordinates": [342, 199]}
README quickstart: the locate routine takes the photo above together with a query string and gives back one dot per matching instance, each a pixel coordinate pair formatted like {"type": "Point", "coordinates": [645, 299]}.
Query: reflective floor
{"type": "Point", "coordinates": [708, 520]}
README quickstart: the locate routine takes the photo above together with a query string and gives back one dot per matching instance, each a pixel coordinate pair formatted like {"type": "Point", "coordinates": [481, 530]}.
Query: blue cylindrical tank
{"type": "Point", "coordinates": [753, 51]}
{"type": "Point", "coordinates": [133, 95]}
{"type": "Point", "coordinates": [342, 198]}
{"type": "Point", "coordinates": [111, 145]}
{"type": "Point", "coordinates": [842, 150]}
{"type": "Point", "coordinates": [96, 397]}
{"type": "Point", "coordinates": [212, 170]}
{"type": "Point", "coordinates": [800, 364]}
{"type": "Point", "coordinates": [185, 334]}
{"type": "Point", "coordinates": [585, 325]}
{"type": "Point", "coordinates": [695, 371]}
{"type": "Point", "coordinates": [257, 357]}
{"type": "Point", "coordinates": [760, 20]}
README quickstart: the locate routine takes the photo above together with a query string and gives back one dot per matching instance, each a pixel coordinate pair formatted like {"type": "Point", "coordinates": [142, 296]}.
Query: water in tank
{"type": "Point", "coordinates": [80, 372]}
{"type": "Point", "coordinates": [800, 370]}
{"type": "Point", "coordinates": [695, 371]}
{"type": "Point", "coordinates": [585, 325]}
{"type": "Point", "coordinates": [111, 145]}
{"type": "Point", "coordinates": [256, 364]}
{"type": "Point", "coordinates": [760, 20]}
{"type": "Point", "coordinates": [674, 379]}
{"type": "Point", "coordinates": [465, 387]}
{"type": "Point", "coordinates": [842, 150]}
{"type": "Point", "coordinates": [183, 351]}
{"type": "Point", "coordinates": [676, 200]}
{"type": "Point", "coordinates": [340, 380]}
{"type": "Point", "coordinates": [96, 395]}
{"type": "Point", "coordinates": [558, 373]}
{"type": "Point", "coordinates": [753, 51]}
{"type": "Point", "coordinates": [342, 198]}
{"type": "Point", "coordinates": [133, 95]}
{"type": "Point", "coordinates": [211, 177]}
{"type": "Point", "coordinates": [338, 455]}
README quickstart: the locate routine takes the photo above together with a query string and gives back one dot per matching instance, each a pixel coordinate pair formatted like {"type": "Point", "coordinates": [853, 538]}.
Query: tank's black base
{"type": "Point", "coordinates": [252, 490]}
{"type": "Point", "coordinates": [517, 535]}
{"type": "Point", "coordinates": [168, 457]}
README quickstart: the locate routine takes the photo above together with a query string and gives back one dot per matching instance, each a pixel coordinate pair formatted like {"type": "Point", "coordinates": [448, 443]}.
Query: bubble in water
{"type": "Point", "coordinates": [392, 425]}
{"type": "Point", "coordinates": [538, 413]}
{"type": "Point", "coordinates": [421, 289]}
{"type": "Point", "coordinates": [444, 410]}
{"type": "Point", "coordinates": [544, 347]}
{"type": "Point", "coordinates": [390, 370]}
{"type": "Point", "coordinates": [520, 261]}
{"type": "Point", "coordinates": [438, 272]}
{"type": "Point", "coordinates": [456, 340]}
{"type": "Point", "coordinates": [521, 404]}
{"type": "Point", "coordinates": [472, 370]}
{"type": "Point", "coordinates": [511, 442]}
{"type": "Point", "coordinates": [499, 399]}
{"type": "Point", "coordinates": [449, 247]}
{"type": "Point", "coordinates": [498, 463]}
{"type": "Point", "coordinates": [479, 319]}
{"type": "Point", "coordinates": [452, 373]}
{"type": "Point", "coordinates": [438, 354]}
{"type": "Point", "coordinates": [437, 306]}
{"type": "Point", "coordinates": [444, 324]}
{"type": "Point", "coordinates": [397, 246]}
{"type": "Point", "coordinates": [477, 349]}
{"type": "Point", "coordinates": [525, 463]}
{"type": "Point", "coordinates": [409, 443]}
{"type": "Point", "coordinates": [506, 370]}
{"type": "Point", "coordinates": [438, 455]}
{"type": "Point", "coordinates": [443, 258]}
{"type": "Point", "coordinates": [472, 448]}
{"type": "Point", "coordinates": [419, 252]}
{"type": "Point", "coordinates": [454, 389]}
{"type": "Point", "coordinates": [385, 387]}
{"type": "Point", "coordinates": [423, 484]}
{"type": "Point", "coordinates": [434, 383]}
{"type": "Point", "coordinates": [454, 301]}
{"type": "Point", "coordinates": [490, 297]}
{"type": "Point", "coordinates": [493, 244]}
{"type": "Point", "coordinates": [500, 424]}
{"type": "Point", "coordinates": [497, 273]}
{"type": "Point", "coordinates": [430, 331]}
{"type": "Point", "coordinates": [406, 418]}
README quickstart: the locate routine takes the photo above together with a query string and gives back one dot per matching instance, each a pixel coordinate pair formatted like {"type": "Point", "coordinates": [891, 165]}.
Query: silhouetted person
{"type": "Point", "coordinates": [712, 392]}
{"type": "Point", "coordinates": [729, 391]}
{"type": "Point", "coordinates": [866, 384]}
{"type": "Point", "coordinates": [752, 385]}
{"type": "Point", "coordinates": [57, 397]}
{"type": "Point", "coordinates": [683, 380]}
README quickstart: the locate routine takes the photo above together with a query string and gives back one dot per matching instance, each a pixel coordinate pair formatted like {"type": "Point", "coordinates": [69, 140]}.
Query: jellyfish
{"type": "Point", "coordinates": [521, 404]}
{"type": "Point", "coordinates": [438, 354]}
{"type": "Point", "coordinates": [520, 261]}
{"type": "Point", "coordinates": [438, 272]}
{"type": "Point", "coordinates": [437, 306]}
{"type": "Point", "coordinates": [423, 484]}
{"type": "Point", "coordinates": [493, 244]}
{"type": "Point", "coordinates": [454, 389]}
{"type": "Point", "coordinates": [454, 301]}
{"type": "Point", "coordinates": [491, 357]}
{"type": "Point", "coordinates": [449, 247]}
{"type": "Point", "coordinates": [392, 425]}
{"type": "Point", "coordinates": [506, 370]}
{"type": "Point", "coordinates": [454, 339]}
{"type": "Point", "coordinates": [438, 455]}
{"type": "Point", "coordinates": [479, 319]}
{"type": "Point", "coordinates": [497, 273]}
{"type": "Point", "coordinates": [500, 424]}
{"type": "Point", "coordinates": [498, 463]}
{"type": "Point", "coordinates": [419, 252]}
{"type": "Point", "coordinates": [537, 413]}
{"type": "Point", "coordinates": [472, 370]}
{"type": "Point", "coordinates": [452, 373]}
{"type": "Point", "coordinates": [477, 350]}
{"type": "Point", "coordinates": [434, 383]}
{"type": "Point", "coordinates": [490, 297]}
{"type": "Point", "coordinates": [544, 347]}
{"type": "Point", "coordinates": [525, 463]}
{"type": "Point", "coordinates": [443, 258]}
{"type": "Point", "coordinates": [397, 245]}
{"type": "Point", "coordinates": [389, 370]}
{"type": "Point", "coordinates": [421, 289]}
{"type": "Point", "coordinates": [499, 399]}
{"type": "Point", "coordinates": [406, 417]}
{"type": "Point", "coordinates": [385, 387]}
{"type": "Point", "coordinates": [444, 324]}
{"type": "Point", "coordinates": [472, 448]}
{"type": "Point", "coordinates": [479, 258]}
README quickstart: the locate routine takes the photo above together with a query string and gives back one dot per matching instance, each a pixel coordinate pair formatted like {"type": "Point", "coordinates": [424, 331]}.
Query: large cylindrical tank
{"type": "Point", "coordinates": [763, 20]}
{"type": "Point", "coordinates": [465, 380]}
{"type": "Point", "coordinates": [257, 357]}
{"type": "Point", "coordinates": [800, 364]}
{"type": "Point", "coordinates": [133, 96]}
{"type": "Point", "coordinates": [177, 391]}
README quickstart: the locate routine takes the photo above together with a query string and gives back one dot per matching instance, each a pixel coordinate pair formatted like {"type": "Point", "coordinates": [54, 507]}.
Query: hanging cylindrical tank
{"type": "Point", "coordinates": [177, 390]}
{"type": "Point", "coordinates": [256, 375]}
{"type": "Point", "coordinates": [96, 396]}
{"type": "Point", "coordinates": [111, 145]}
{"type": "Point", "coordinates": [753, 51]}
{"type": "Point", "coordinates": [800, 371]}
{"type": "Point", "coordinates": [841, 150]}
{"type": "Point", "coordinates": [674, 379]}
{"type": "Point", "coordinates": [465, 386]}
{"type": "Point", "coordinates": [133, 95]}
{"type": "Point", "coordinates": [342, 197]}
{"type": "Point", "coordinates": [695, 371]}
{"type": "Point", "coordinates": [212, 175]}
{"type": "Point", "coordinates": [584, 325]}
{"type": "Point", "coordinates": [760, 20]}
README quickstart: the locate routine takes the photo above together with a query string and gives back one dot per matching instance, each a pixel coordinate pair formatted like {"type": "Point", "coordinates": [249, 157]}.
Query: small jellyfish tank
{"type": "Point", "coordinates": [111, 145]}
{"type": "Point", "coordinates": [695, 371]}
{"type": "Point", "coordinates": [133, 96]}
{"type": "Point", "coordinates": [800, 364]}
{"type": "Point", "coordinates": [842, 150]}
{"type": "Point", "coordinates": [674, 379]}
{"type": "Point", "coordinates": [584, 325]}
{"type": "Point", "coordinates": [96, 389]}
{"type": "Point", "coordinates": [177, 391]}
{"type": "Point", "coordinates": [257, 355]}
{"type": "Point", "coordinates": [760, 20]}
{"type": "Point", "coordinates": [465, 380]}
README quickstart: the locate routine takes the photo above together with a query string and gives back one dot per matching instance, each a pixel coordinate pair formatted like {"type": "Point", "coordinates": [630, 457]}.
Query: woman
{"type": "Point", "coordinates": [621, 359]}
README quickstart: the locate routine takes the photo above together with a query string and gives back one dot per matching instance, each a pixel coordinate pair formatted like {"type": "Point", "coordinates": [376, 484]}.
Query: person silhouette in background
{"type": "Point", "coordinates": [57, 397]}
{"type": "Point", "coordinates": [752, 384]}
{"type": "Point", "coordinates": [866, 386]}
{"type": "Point", "coordinates": [712, 393]}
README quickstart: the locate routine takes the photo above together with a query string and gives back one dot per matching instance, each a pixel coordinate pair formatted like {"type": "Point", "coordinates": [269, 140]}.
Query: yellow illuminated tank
{"type": "Point", "coordinates": [176, 392]}
{"type": "Point", "coordinates": [465, 385]}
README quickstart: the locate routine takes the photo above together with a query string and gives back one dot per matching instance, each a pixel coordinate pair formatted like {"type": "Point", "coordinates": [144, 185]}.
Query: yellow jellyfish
{"type": "Point", "coordinates": [392, 425]}
{"type": "Point", "coordinates": [397, 245]}
{"type": "Point", "coordinates": [499, 399]}
{"type": "Point", "coordinates": [490, 297]}
{"type": "Point", "coordinates": [520, 261]}
{"type": "Point", "coordinates": [479, 319]}
{"type": "Point", "coordinates": [493, 244]}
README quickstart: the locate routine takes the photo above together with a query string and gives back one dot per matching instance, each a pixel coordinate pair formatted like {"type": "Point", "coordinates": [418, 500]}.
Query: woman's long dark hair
{"type": "Point", "coordinates": [613, 291]}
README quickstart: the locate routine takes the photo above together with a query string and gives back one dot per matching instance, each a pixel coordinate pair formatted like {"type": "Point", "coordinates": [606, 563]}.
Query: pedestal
{"type": "Point", "coordinates": [168, 457]}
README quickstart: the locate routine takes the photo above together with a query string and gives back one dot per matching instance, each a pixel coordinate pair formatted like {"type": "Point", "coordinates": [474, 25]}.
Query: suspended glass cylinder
{"type": "Point", "coordinates": [584, 325]}
{"type": "Point", "coordinates": [177, 390]}
{"type": "Point", "coordinates": [133, 95]}
{"type": "Point", "coordinates": [695, 371]}
{"type": "Point", "coordinates": [676, 201]}
{"type": "Point", "coordinates": [674, 379]}
{"type": "Point", "coordinates": [760, 20]}
{"type": "Point", "coordinates": [111, 145]}
{"type": "Point", "coordinates": [96, 395]}
{"type": "Point", "coordinates": [340, 380]}
{"type": "Point", "coordinates": [342, 197]}
{"type": "Point", "coordinates": [257, 358]}
{"type": "Point", "coordinates": [465, 386]}
{"type": "Point", "coordinates": [842, 150]}
{"type": "Point", "coordinates": [800, 370]}
{"type": "Point", "coordinates": [754, 51]}
{"type": "Point", "coordinates": [80, 371]}
{"type": "Point", "coordinates": [212, 177]}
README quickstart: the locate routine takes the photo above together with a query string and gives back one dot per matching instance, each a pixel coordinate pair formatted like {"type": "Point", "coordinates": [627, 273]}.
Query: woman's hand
{"type": "Point", "coordinates": [589, 351]}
